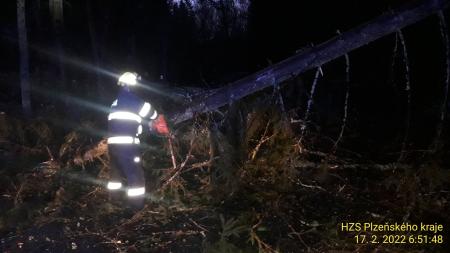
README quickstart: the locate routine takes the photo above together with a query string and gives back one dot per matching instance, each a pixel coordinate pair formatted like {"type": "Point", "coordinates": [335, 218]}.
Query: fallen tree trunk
{"type": "Point", "coordinates": [311, 58]}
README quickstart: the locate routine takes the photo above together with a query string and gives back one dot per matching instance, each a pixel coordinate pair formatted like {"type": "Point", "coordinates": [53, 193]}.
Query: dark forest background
{"type": "Point", "coordinates": [257, 175]}
{"type": "Point", "coordinates": [158, 39]}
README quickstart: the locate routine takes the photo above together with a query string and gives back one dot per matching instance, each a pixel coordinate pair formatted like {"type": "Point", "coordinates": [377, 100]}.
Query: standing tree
{"type": "Point", "coordinates": [94, 44]}
{"type": "Point", "coordinates": [56, 8]}
{"type": "Point", "coordinates": [214, 16]}
{"type": "Point", "coordinates": [23, 54]}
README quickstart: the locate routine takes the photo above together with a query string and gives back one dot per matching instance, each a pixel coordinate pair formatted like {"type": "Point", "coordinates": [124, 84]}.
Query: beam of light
{"type": "Point", "coordinates": [156, 88]}
{"type": "Point", "coordinates": [74, 62]}
{"type": "Point", "coordinates": [67, 98]}
{"type": "Point", "coordinates": [174, 93]}
{"type": "Point", "coordinates": [66, 60]}
{"type": "Point", "coordinates": [84, 65]}
{"type": "Point", "coordinates": [84, 179]}
{"type": "Point", "coordinates": [93, 131]}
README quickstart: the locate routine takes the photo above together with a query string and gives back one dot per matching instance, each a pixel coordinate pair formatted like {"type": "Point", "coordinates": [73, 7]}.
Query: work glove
{"type": "Point", "coordinates": [159, 125]}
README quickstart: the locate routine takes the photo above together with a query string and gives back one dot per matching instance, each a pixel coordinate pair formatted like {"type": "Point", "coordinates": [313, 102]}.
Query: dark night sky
{"type": "Point", "coordinates": [145, 36]}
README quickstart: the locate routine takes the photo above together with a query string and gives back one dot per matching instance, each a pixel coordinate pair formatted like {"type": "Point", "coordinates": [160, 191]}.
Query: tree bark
{"type": "Point", "coordinates": [56, 8]}
{"type": "Point", "coordinates": [312, 57]}
{"type": "Point", "coordinates": [94, 45]}
{"type": "Point", "coordinates": [23, 59]}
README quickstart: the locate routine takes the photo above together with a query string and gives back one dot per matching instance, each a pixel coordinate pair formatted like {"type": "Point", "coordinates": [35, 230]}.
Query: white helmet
{"type": "Point", "coordinates": [128, 79]}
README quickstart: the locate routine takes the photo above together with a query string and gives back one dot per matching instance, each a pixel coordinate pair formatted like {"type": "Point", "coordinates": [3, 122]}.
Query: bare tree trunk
{"type": "Point", "coordinates": [56, 8]}
{"type": "Point", "coordinates": [312, 58]}
{"type": "Point", "coordinates": [37, 68]}
{"type": "Point", "coordinates": [94, 46]}
{"type": "Point", "coordinates": [24, 64]}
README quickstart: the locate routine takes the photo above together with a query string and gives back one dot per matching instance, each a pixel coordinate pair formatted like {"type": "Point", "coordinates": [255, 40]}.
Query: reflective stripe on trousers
{"type": "Point", "coordinates": [136, 192]}
{"type": "Point", "coordinates": [125, 162]}
{"type": "Point", "coordinates": [114, 185]}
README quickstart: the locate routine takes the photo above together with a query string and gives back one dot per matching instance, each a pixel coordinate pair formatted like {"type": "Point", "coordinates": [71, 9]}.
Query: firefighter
{"type": "Point", "coordinates": [127, 116]}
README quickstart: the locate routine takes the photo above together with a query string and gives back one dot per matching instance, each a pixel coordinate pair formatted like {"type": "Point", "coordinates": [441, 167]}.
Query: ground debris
{"type": "Point", "coordinates": [280, 197]}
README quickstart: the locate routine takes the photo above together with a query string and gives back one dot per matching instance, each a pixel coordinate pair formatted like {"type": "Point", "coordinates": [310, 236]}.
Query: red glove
{"type": "Point", "coordinates": [160, 126]}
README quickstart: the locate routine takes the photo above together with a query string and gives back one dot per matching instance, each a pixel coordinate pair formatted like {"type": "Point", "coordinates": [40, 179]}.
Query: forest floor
{"type": "Point", "coordinates": [271, 194]}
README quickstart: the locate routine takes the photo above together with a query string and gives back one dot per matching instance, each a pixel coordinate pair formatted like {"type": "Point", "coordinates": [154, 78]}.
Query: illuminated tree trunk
{"type": "Point", "coordinates": [311, 58]}
{"type": "Point", "coordinates": [23, 59]}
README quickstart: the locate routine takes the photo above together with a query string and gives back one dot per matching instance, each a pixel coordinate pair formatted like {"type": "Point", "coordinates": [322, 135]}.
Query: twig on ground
{"type": "Point", "coordinates": [182, 165]}
{"type": "Point", "coordinates": [49, 154]}
{"type": "Point", "coordinates": [310, 103]}
{"type": "Point", "coordinates": [201, 164]}
{"type": "Point", "coordinates": [108, 239]}
{"type": "Point", "coordinates": [172, 153]}
{"type": "Point", "coordinates": [263, 139]}
{"type": "Point", "coordinates": [298, 235]}
{"type": "Point", "coordinates": [408, 96]}
{"type": "Point", "coordinates": [445, 40]}
{"type": "Point", "coordinates": [347, 94]}
{"type": "Point", "coordinates": [310, 186]}
{"type": "Point", "coordinates": [198, 225]}
{"type": "Point", "coordinates": [17, 198]}
{"type": "Point", "coordinates": [263, 246]}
